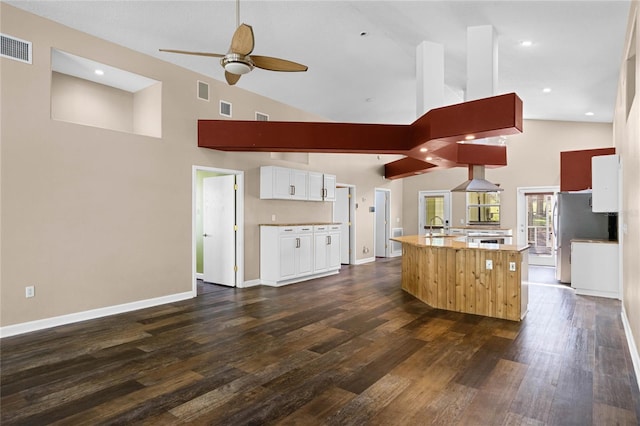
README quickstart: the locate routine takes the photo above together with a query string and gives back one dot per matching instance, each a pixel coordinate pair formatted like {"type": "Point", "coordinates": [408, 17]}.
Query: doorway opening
{"type": "Point", "coordinates": [434, 210]}
{"type": "Point", "coordinates": [535, 207]}
{"type": "Point", "coordinates": [381, 223]}
{"type": "Point", "coordinates": [344, 212]}
{"type": "Point", "coordinates": [217, 226]}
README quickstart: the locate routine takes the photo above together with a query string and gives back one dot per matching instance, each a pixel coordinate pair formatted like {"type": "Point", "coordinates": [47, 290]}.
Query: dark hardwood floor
{"type": "Point", "coordinates": [348, 349]}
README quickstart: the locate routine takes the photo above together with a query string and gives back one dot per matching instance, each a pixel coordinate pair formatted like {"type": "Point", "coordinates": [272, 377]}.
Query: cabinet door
{"type": "Point", "coordinates": [282, 183]}
{"type": "Point", "coordinates": [333, 250]}
{"type": "Point", "coordinates": [288, 255]}
{"type": "Point", "coordinates": [320, 251]}
{"type": "Point", "coordinates": [329, 184]}
{"type": "Point", "coordinates": [316, 186]}
{"type": "Point", "coordinates": [299, 179]}
{"type": "Point", "coordinates": [604, 180]}
{"type": "Point", "coordinates": [304, 254]}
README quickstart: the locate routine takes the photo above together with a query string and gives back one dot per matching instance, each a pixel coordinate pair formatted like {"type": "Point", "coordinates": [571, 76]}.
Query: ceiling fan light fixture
{"type": "Point", "coordinates": [237, 64]}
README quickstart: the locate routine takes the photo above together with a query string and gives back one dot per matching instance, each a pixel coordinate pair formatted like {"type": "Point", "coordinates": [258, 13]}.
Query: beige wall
{"type": "Point", "coordinates": [533, 159]}
{"type": "Point", "coordinates": [96, 218]}
{"type": "Point", "coordinates": [627, 142]}
{"type": "Point", "coordinates": [84, 102]}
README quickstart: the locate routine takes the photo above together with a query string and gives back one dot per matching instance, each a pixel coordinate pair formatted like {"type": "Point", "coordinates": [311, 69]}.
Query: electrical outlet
{"type": "Point", "coordinates": [29, 291]}
{"type": "Point", "coordinates": [512, 266]}
{"type": "Point", "coordinates": [489, 264]}
{"type": "Point", "coordinates": [273, 218]}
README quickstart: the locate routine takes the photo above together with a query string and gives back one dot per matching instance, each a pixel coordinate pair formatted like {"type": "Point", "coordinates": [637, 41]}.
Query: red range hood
{"type": "Point", "coordinates": [436, 134]}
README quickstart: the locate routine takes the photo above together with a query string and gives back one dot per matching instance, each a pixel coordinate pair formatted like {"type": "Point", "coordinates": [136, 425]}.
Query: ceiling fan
{"type": "Point", "coordinates": [237, 61]}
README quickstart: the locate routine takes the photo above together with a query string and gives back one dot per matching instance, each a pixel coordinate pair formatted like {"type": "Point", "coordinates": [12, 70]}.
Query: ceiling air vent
{"type": "Point", "coordinates": [16, 49]}
{"type": "Point", "coordinates": [225, 108]}
{"type": "Point", "coordinates": [261, 117]}
{"type": "Point", "coordinates": [203, 91]}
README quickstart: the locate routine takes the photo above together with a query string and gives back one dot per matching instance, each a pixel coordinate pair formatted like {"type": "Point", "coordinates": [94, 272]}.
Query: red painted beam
{"type": "Point", "coordinates": [406, 167]}
{"type": "Point", "coordinates": [294, 136]}
{"type": "Point", "coordinates": [437, 132]}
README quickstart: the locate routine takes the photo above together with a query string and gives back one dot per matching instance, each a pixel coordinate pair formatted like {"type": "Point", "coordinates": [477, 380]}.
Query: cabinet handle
{"type": "Point", "coordinates": [297, 242]}
{"type": "Point", "coordinates": [328, 240]}
{"type": "Point", "coordinates": [292, 190]}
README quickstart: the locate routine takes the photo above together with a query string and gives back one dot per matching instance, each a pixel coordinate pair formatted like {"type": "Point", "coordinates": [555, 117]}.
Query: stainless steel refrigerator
{"type": "Point", "coordinates": [574, 219]}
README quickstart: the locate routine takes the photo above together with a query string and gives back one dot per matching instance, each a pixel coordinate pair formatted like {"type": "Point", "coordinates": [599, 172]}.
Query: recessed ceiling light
{"type": "Point", "coordinates": [546, 90]}
{"type": "Point", "coordinates": [99, 72]}
{"type": "Point", "coordinates": [589, 113]}
{"type": "Point", "coordinates": [526, 43]}
{"type": "Point", "coordinates": [429, 158]}
{"type": "Point", "coordinates": [469, 137]}
{"type": "Point", "coordinates": [423, 149]}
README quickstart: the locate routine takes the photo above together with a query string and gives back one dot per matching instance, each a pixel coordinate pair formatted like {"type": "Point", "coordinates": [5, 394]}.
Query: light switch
{"type": "Point", "coordinates": [489, 264]}
{"type": "Point", "coordinates": [512, 266]}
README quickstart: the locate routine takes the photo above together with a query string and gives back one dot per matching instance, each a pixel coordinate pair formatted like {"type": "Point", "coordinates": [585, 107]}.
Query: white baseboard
{"type": "Point", "coordinates": [199, 276]}
{"type": "Point", "coordinates": [395, 253]}
{"type": "Point", "coordinates": [27, 327]}
{"type": "Point", "coordinates": [598, 293]}
{"type": "Point", "coordinates": [250, 283]}
{"type": "Point", "coordinates": [633, 349]}
{"type": "Point", "coordinates": [366, 260]}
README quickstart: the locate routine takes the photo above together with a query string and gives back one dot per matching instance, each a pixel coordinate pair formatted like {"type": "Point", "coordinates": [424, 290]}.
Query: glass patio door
{"type": "Point", "coordinates": [539, 228]}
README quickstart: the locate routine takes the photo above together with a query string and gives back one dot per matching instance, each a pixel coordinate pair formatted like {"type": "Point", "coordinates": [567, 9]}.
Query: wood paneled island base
{"type": "Point", "coordinates": [450, 273]}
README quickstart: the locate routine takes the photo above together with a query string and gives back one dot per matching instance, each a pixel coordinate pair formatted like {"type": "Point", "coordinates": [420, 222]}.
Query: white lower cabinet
{"type": "Point", "coordinates": [594, 268]}
{"type": "Point", "coordinates": [326, 247]}
{"type": "Point", "coordinates": [290, 254]}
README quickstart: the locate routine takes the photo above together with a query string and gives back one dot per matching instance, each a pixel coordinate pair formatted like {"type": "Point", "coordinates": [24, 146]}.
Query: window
{"type": "Point", "coordinates": [483, 208]}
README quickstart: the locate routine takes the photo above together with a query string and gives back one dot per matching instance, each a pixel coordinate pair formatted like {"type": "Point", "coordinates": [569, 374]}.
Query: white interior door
{"type": "Point", "coordinates": [341, 215]}
{"type": "Point", "coordinates": [381, 223]}
{"type": "Point", "coordinates": [219, 221]}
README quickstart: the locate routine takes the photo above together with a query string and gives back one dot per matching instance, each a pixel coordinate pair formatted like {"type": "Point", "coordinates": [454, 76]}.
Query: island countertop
{"type": "Point", "coordinates": [301, 224]}
{"type": "Point", "coordinates": [455, 242]}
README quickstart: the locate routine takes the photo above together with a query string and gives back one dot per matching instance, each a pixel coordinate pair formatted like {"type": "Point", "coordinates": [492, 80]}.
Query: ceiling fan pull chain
{"type": "Point", "coordinates": [237, 13]}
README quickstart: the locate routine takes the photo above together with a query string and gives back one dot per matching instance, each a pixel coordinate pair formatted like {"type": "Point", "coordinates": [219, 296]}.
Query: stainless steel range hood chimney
{"type": "Point", "coordinates": [476, 182]}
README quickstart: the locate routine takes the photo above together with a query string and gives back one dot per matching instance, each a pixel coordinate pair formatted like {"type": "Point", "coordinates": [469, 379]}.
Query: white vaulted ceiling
{"type": "Point", "coordinates": [577, 48]}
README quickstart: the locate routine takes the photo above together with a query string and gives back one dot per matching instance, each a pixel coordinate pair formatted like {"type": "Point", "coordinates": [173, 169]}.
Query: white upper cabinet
{"type": "Point", "coordinates": [290, 184]}
{"type": "Point", "coordinates": [283, 183]}
{"type": "Point", "coordinates": [329, 187]}
{"type": "Point", "coordinates": [322, 187]}
{"type": "Point", "coordinates": [604, 180]}
{"type": "Point", "coordinates": [316, 186]}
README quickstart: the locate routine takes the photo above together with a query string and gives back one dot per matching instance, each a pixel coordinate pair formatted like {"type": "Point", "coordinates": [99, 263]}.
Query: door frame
{"type": "Point", "coordinates": [352, 216]}
{"type": "Point", "coordinates": [387, 219]}
{"type": "Point", "coordinates": [239, 203]}
{"type": "Point", "coordinates": [447, 207]}
{"type": "Point", "coordinates": [521, 212]}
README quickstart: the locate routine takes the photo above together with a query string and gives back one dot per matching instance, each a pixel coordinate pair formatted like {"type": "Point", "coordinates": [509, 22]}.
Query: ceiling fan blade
{"type": "Point", "coordinates": [184, 52]}
{"type": "Point", "coordinates": [242, 41]}
{"type": "Point", "coordinates": [231, 78]}
{"type": "Point", "coordinates": [277, 64]}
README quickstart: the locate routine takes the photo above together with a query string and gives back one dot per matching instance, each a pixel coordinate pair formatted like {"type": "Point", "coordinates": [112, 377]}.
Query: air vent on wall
{"type": "Point", "coordinates": [225, 108]}
{"type": "Point", "coordinates": [203, 91]}
{"type": "Point", "coordinates": [16, 49]}
{"type": "Point", "coordinates": [261, 117]}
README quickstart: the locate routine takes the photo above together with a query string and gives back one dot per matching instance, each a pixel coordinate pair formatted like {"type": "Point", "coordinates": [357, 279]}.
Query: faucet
{"type": "Point", "coordinates": [431, 223]}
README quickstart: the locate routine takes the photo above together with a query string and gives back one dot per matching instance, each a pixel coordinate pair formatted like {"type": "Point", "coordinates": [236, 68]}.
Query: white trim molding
{"type": "Point", "coordinates": [633, 349]}
{"type": "Point", "coordinates": [27, 327]}
{"type": "Point", "coordinates": [365, 260]}
{"type": "Point", "coordinates": [250, 283]}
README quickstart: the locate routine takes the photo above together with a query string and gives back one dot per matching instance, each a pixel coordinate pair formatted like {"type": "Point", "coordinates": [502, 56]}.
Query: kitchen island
{"type": "Point", "coordinates": [448, 272]}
